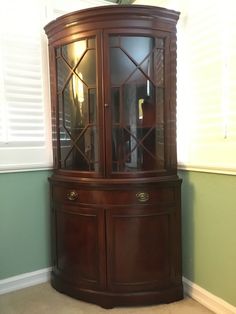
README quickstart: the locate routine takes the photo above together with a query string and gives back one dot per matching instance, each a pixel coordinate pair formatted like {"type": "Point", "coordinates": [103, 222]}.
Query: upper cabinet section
{"type": "Point", "coordinates": [113, 90]}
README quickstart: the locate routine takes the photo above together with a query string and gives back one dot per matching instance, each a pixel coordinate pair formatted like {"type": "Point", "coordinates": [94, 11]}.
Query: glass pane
{"type": "Point", "coordinates": [120, 148]}
{"type": "Point", "coordinates": [136, 149]}
{"type": "Point", "coordinates": [121, 66]}
{"type": "Point", "coordinates": [63, 72]}
{"type": "Point", "coordinates": [86, 69]}
{"type": "Point", "coordinates": [66, 161]}
{"type": "Point", "coordinates": [114, 41]}
{"type": "Point", "coordinates": [87, 144]}
{"type": "Point", "coordinates": [73, 52]}
{"type": "Point", "coordinates": [75, 104]}
{"type": "Point", "coordinates": [138, 102]}
{"type": "Point", "coordinates": [115, 99]}
{"type": "Point", "coordinates": [81, 154]}
{"type": "Point", "coordinates": [91, 43]}
{"type": "Point", "coordinates": [137, 47]}
{"type": "Point", "coordinates": [79, 136]}
{"type": "Point", "coordinates": [92, 106]}
{"type": "Point", "coordinates": [137, 96]}
{"type": "Point", "coordinates": [147, 66]}
{"type": "Point", "coordinates": [76, 161]}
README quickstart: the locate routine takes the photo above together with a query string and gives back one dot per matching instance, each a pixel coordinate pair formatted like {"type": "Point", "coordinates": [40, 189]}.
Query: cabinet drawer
{"type": "Point", "coordinates": [72, 194]}
{"type": "Point", "coordinates": [76, 195]}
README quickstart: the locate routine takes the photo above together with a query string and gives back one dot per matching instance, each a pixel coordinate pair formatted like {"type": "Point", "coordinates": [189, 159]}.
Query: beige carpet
{"type": "Point", "coordinates": [42, 299]}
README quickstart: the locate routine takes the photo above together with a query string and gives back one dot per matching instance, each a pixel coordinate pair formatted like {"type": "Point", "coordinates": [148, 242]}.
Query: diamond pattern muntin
{"type": "Point", "coordinates": [140, 78]}
{"type": "Point", "coordinates": [154, 73]}
{"type": "Point", "coordinates": [130, 44]}
{"type": "Point", "coordinates": [63, 71]}
{"type": "Point", "coordinates": [75, 112]}
{"type": "Point", "coordinates": [87, 67]}
{"type": "Point", "coordinates": [92, 106]}
{"type": "Point", "coordinates": [122, 68]}
{"type": "Point", "coordinates": [76, 65]}
{"type": "Point", "coordinates": [82, 149]}
{"type": "Point", "coordinates": [72, 53]}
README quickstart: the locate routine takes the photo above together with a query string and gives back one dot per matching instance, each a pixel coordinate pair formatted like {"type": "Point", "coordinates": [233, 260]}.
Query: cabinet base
{"type": "Point", "coordinates": [108, 299]}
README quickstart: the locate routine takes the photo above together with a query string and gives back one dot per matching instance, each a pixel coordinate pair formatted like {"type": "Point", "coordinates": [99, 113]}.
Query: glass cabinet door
{"type": "Point", "coordinates": [77, 98]}
{"type": "Point", "coordinates": [137, 78]}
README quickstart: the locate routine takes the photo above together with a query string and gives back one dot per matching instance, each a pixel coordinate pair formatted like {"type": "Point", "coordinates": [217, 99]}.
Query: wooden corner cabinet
{"type": "Point", "coordinates": [115, 191]}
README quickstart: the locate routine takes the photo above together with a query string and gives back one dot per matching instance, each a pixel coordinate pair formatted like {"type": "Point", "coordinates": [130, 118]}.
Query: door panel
{"type": "Point", "coordinates": [138, 249]}
{"type": "Point", "coordinates": [80, 245]}
{"type": "Point", "coordinates": [78, 86]}
{"type": "Point", "coordinates": [136, 91]}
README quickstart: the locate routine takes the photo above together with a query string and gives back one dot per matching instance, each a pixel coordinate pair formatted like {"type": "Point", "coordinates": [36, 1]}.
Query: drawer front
{"type": "Point", "coordinates": [141, 196]}
{"type": "Point", "coordinates": [72, 194]}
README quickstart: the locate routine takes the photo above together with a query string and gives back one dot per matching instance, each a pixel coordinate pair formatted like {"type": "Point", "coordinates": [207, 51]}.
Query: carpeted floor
{"type": "Point", "coordinates": [43, 299]}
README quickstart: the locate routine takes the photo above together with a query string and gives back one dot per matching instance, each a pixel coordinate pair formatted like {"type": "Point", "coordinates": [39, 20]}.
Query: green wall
{"type": "Point", "coordinates": [209, 232]}
{"type": "Point", "coordinates": [24, 223]}
{"type": "Point", "coordinates": [209, 228]}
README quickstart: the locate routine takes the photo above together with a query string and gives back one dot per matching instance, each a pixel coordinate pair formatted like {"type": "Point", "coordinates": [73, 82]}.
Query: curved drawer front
{"type": "Point", "coordinates": [142, 195]}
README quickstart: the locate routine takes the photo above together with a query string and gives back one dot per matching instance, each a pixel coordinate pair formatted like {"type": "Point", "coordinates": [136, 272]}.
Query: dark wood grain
{"type": "Point", "coordinates": [109, 246]}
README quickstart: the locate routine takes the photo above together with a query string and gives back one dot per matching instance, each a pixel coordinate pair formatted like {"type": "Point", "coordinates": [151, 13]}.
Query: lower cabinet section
{"type": "Point", "coordinates": [125, 254]}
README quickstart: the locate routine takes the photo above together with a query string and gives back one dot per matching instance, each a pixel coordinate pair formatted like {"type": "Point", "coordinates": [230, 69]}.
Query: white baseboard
{"type": "Point", "coordinates": [197, 293]}
{"type": "Point", "coordinates": [209, 300]}
{"type": "Point", "coordinates": [24, 280]}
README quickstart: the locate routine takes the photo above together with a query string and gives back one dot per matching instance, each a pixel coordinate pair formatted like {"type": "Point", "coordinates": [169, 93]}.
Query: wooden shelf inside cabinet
{"type": "Point", "coordinates": [116, 226]}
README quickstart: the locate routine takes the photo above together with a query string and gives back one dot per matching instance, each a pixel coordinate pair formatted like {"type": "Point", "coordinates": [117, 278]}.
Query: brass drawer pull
{"type": "Point", "coordinates": [72, 195]}
{"type": "Point", "coordinates": [142, 196]}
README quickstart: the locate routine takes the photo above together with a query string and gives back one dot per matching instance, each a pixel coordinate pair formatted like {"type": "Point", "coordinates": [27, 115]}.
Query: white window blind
{"type": "Point", "coordinates": [24, 106]}
{"type": "Point", "coordinates": [23, 93]}
{"type": "Point", "coordinates": [25, 131]}
{"type": "Point", "coordinates": [207, 87]}
{"type": "Point", "coordinates": [206, 83]}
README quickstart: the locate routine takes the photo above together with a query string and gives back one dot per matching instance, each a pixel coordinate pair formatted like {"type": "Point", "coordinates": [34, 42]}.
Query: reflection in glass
{"type": "Point", "coordinates": [77, 97]}
{"type": "Point", "coordinates": [92, 106]}
{"type": "Point", "coordinates": [87, 66]}
{"type": "Point", "coordinates": [73, 52]}
{"type": "Point", "coordinates": [63, 73]}
{"type": "Point", "coordinates": [91, 43]}
{"type": "Point", "coordinates": [137, 47]}
{"type": "Point", "coordinates": [115, 100]}
{"type": "Point", "coordinates": [82, 155]}
{"type": "Point", "coordinates": [121, 68]}
{"type": "Point", "coordinates": [137, 94]}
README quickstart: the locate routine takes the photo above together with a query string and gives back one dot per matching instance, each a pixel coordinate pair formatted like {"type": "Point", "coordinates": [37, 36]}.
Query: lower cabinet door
{"type": "Point", "coordinates": [138, 249]}
{"type": "Point", "coordinates": [80, 246]}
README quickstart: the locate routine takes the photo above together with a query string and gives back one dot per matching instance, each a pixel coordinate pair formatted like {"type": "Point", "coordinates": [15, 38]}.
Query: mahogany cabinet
{"type": "Point", "coordinates": [115, 193]}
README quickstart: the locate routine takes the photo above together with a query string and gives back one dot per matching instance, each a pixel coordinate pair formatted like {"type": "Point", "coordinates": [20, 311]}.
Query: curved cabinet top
{"type": "Point", "coordinates": [111, 16]}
